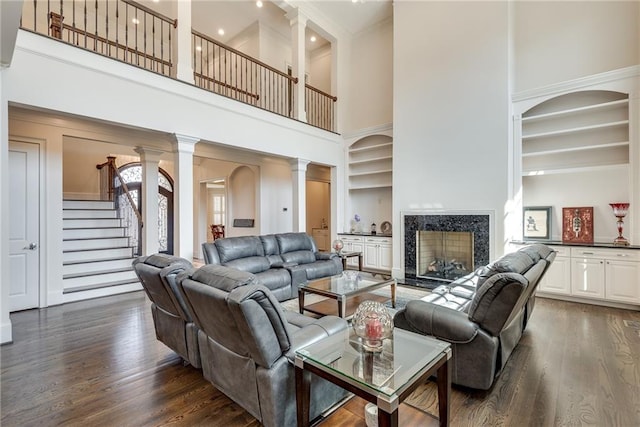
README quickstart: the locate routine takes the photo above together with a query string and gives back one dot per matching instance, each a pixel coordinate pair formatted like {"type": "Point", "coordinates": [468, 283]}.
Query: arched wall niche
{"type": "Point", "coordinates": [242, 194]}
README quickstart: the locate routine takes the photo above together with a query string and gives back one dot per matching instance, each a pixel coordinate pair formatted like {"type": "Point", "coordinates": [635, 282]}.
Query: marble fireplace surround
{"type": "Point", "coordinates": [480, 223]}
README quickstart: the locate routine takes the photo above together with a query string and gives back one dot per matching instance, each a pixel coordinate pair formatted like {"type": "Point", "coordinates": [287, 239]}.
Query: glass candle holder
{"type": "Point", "coordinates": [373, 323]}
{"type": "Point", "coordinates": [620, 210]}
{"type": "Point", "coordinates": [338, 245]}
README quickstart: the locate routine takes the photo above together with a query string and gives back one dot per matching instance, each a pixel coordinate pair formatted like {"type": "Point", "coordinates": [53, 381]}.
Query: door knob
{"type": "Point", "coordinates": [32, 246]}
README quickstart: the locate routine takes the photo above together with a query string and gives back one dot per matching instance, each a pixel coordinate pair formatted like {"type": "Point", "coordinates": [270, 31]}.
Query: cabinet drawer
{"type": "Point", "coordinates": [379, 240]}
{"type": "Point", "coordinates": [347, 238]}
{"type": "Point", "coordinates": [602, 253]}
{"type": "Point", "coordinates": [561, 250]}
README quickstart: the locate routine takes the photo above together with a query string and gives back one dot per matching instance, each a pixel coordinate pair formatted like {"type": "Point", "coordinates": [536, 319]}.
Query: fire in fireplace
{"type": "Point", "coordinates": [444, 255]}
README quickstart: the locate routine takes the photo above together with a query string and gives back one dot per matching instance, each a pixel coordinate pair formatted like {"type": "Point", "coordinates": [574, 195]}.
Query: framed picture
{"type": "Point", "coordinates": [577, 225]}
{"type": "Point", "coordinates": [536, 222]}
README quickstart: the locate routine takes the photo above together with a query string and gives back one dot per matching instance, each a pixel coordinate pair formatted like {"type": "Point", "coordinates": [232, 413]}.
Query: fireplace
{"type": "Point", "coordinates": [444, 255]}
{"type": "Point", "coordinates": [442, 246]}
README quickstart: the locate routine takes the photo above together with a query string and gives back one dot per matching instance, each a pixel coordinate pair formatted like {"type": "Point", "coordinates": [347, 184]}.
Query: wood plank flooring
{"type": "Point", "coordinates": [98, 363]}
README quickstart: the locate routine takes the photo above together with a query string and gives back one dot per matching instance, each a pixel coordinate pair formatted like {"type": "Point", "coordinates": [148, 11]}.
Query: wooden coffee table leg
{"type": "Point", "coordinates": [393, 294]}
{"type": "Point", "coordinates": [444, 392]}
{"type": "Point", "coordinates": [342, 306]}
{"type": "Point", "coordinates": [303, 390]}
{"type": "Point", "coordinates": [387, 420]}
{"type": "Point", "coordinates": [301, 300]}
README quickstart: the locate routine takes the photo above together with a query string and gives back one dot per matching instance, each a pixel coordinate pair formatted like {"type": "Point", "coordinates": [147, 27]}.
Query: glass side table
{"type": "Point", "coordinates": [385, 378]}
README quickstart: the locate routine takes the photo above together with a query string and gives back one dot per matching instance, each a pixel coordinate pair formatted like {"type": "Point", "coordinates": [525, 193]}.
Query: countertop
{"type": "Point", "coordinates": [366, 234]}
{"type": "Point", "coordinates": [586, 245]}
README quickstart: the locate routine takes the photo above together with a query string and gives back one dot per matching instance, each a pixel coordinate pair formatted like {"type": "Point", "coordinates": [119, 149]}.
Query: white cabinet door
{"type": "Point", "coordinates": [557, 279]}
{"type": "Point", "coordinates": [622, 281]}
{"type": "Point", "coordinates": [587, 277]}
{"type": "Point", "coordinates": [386, 257]}
{"type": "Point", "coordinates": [371, 256]}
{"type": "Point", "coordinates": [352, 244]}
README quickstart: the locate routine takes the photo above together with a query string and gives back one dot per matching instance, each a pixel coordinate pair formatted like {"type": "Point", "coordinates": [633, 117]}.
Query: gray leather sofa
{"type": "Point", "coordinates": [482, 315]}
{"type": "Point", "coordinates": [280, 261]}
{"type": "Point", "coordinates": [247, 343]}
{"type": "Point", "coordinates": [171, 317]}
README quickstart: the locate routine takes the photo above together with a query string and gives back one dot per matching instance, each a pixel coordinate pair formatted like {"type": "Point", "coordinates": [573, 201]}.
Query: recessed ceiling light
{"type": "Point", "coordinates": [199, 48]}
{"type": "Point", "coordinates": [221, 32]}
{"type": "Point", "coordinates": [259, 3]}
{"type": "Point", "coordinates": [313, 39]}
{"type": "Point", "coordinates": [136, 21]}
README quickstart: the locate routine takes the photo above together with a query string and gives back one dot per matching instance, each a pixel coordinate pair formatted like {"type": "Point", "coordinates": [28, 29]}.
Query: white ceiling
{"type": "Point", "coordinates": [234, 16]}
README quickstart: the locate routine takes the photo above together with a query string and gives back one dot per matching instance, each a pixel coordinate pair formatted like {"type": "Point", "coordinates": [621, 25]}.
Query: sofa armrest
{"type": "Point", "coordinates": [327, 326]}
{"type": "Point", "coordinates": [440, 322]}
{"type": "Point", "coordinates": [325, 255]}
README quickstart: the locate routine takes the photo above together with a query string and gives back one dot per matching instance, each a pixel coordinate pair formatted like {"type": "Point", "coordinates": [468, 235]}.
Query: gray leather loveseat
{"type": "Point", "coordinates": [248, 342]}
{"type": "Point", "coordinates": [482, 315]}
{"type": "Point", "coordinates": [281, 262]}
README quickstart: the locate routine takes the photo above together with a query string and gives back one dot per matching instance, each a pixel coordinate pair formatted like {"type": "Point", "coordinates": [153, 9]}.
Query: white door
{"type": "Point", "coordinates": [24, 229]}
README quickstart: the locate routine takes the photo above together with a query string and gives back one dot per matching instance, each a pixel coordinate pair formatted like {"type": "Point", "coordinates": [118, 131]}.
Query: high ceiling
{"type": "Point", "coordinates": [234, 16]}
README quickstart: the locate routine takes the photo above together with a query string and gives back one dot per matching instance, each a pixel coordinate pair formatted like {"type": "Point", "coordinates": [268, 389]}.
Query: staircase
{"type": "Point", "coordinates": [97, 255]}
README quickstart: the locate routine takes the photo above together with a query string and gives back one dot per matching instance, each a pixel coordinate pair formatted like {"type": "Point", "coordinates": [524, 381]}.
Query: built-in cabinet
{"type": "Point", "coordinates": [377, 251]}
{"type": "Point", "coordinates": [604, 274]}
{"type": "Point", "coordinates": [577, 143]}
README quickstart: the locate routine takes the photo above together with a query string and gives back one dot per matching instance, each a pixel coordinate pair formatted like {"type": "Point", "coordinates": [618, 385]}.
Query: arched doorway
{"type": "Point", "coordinates": [132, 175]}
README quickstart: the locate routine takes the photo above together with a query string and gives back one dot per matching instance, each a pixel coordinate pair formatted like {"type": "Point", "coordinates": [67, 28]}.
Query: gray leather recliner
{"type": "Point", "coordinates": [482, 315]}
{"type": "Point", "coordinates": [171, 317]}
{"type": "Point", "coordinates": [247, 343]}
{"type": "Point", "coordinates": [282, 262]}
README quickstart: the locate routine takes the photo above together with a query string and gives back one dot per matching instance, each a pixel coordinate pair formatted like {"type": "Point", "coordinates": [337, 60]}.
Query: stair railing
{"type": "Point", "coordinates": [319, 108]}
{"type": "Point", "coordinates": [114, 188]}
{"type": "Point", "coordinates": [121, 29]}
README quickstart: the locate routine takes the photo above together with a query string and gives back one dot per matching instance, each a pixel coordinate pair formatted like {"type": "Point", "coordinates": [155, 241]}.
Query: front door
{"type": "Point", "coordinates": [24, 225]}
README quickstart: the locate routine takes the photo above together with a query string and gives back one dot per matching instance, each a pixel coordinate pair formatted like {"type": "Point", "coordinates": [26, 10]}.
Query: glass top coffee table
{"type": "Point", "coordinates": [343, 293]}
{"type": "Point", "coordinates": [384, 378]}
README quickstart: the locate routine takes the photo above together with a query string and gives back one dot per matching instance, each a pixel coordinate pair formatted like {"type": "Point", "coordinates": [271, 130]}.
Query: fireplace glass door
{"type": "Point", "coordinates": [444, 255]}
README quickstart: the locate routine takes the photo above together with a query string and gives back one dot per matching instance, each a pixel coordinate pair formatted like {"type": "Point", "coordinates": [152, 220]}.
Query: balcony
{"type": "Point", "coordinates": [138, 35]}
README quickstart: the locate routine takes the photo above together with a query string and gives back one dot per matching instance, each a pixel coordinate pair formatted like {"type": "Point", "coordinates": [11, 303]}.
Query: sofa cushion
{"type": "Point", "coordinates": [275, 278]}
{"type": "Point", "coordinates": [515, 262]}
{"type": "Point", "coordinates": [270, 244]}
{"type": "Point", "coordinates": [222, 278]}
{"type": "Point", "coordinates": [251, 264]}
{"type": "Point", "coordinates": [239, 247]}
{"type": "Point", "coordinates": [289, 242]}
{"type": "Point", "coordinates": [298, 257]}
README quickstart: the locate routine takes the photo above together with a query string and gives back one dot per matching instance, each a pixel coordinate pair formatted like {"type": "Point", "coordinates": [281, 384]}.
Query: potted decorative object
{"type": "Point", "coordinates": [620, 211]}
{"type": "Point", "coordinates": [373, 323]}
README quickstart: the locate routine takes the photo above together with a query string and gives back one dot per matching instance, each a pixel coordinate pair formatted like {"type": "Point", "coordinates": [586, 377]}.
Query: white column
{"type": "Point", "coordinates": [298, 26]}
{"type": "Point", "coordinates": [299, 179]}
{"type": "Point", "coordinates": [183, 196]}
{"type": "Point", "coordinates": [5, 288]}
{"type": "Point", "coordinates": [150, 159]}
{"type": "Point", "coordinates": [183, 52]}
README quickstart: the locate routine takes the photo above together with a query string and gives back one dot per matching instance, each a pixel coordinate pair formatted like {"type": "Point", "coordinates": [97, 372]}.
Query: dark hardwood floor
{"type": "Point", "coordinates": [98, 363]}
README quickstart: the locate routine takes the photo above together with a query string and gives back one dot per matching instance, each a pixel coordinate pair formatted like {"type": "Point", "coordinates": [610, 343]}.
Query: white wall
{"type": "Point", "coordinates": [451, 116]}
{"type": "Point", "coordinates": [576, 190]}
{"type": "Point", "coordinates": [320, 68]}
{"type": "Point", "coordinates": [555, 41]}
{"type": "Point", "coordinates": [370, 91]}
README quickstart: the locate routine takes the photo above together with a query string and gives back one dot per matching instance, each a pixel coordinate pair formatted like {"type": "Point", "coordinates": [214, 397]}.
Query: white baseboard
{"type": "Point", "coordinates": [6, 333]}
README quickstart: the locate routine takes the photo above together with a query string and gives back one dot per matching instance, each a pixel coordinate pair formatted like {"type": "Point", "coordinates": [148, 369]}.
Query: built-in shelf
{"type": "Point", "coordinates": [573, 170]}
{"type": "Point", "coordinates": [370, 148]}
{"type": "Point", "coordinates": [371, 160]}
{"type": "Point", "coordinates": [574, 130]}
{"type": "Point", "coordinates": [368, 187]}
{"type": "Point", "coordinates": [578, 110]}
{"type": "Point", "coordinates": [576, 149]}
{"type": "Point", "coordinates": [370, 164]}
{"type": "Point", "coordinates": [372, 172]}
